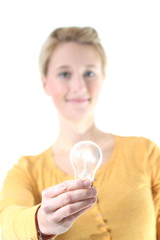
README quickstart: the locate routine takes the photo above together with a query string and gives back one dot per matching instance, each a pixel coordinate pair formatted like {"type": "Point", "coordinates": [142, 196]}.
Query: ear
{"type": "Point", "coordinates": [45, 85]}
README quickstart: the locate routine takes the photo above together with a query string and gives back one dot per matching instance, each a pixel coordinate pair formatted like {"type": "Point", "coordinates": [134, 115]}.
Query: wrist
{"type": "Point", "coordinates": [40, 235]}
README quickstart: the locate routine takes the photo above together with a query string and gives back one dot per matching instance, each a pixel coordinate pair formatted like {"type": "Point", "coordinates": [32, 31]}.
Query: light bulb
{"type": "Point", "coordinates": [85, 158]}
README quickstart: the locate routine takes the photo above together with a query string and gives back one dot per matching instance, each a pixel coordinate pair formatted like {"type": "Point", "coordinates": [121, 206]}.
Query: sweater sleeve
{"type": "Point", "coordinates": [19, 202]}
{"type": "Point", "coordinates": [154, 165]}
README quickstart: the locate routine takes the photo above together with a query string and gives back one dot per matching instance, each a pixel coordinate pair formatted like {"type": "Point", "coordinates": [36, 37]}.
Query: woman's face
{"type": "Point", "coordinates": [74, 79]}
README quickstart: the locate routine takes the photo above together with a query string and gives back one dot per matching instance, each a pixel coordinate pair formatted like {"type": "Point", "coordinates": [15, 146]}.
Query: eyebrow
{"type": "Point", "coordinates": [65, 66]}
{"type": "Point", "coordinates": [91, 65]}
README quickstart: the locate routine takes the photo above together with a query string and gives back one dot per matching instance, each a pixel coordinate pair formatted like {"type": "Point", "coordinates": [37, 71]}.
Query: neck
{"type": "Point", "coordinates": [72, 132]}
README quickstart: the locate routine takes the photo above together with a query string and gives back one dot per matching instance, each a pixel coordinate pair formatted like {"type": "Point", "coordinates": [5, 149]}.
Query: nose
{"type": "Point", "coordinates": [78, 84]}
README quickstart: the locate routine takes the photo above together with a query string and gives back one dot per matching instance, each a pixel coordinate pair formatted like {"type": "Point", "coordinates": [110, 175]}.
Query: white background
{"type": "Point", "coordinates": [130, 102]}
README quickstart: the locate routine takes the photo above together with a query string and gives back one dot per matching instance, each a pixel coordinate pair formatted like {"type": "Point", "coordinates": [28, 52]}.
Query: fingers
{"type": "Point", "coordinates": [68, 221]}
{"type": "Point", "coordinates": [64, 199]}
{"type": "Point", "coordinates": [62, 204]}
{"type": "Point", "coordinates": [73, 210]}
{"type": "Point", "coordinates": [70, 185]}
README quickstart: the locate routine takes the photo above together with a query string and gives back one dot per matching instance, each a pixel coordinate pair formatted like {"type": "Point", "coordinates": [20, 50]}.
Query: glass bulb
{"type": "Point", "coordinates": [85, 157]}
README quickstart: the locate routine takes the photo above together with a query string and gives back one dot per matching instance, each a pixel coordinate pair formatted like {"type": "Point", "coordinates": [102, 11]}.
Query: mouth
{"type": "Point", "coordinates": [78, 100]}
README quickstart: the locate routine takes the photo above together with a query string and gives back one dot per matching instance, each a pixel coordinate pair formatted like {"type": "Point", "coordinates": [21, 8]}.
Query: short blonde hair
{"type": "Point", "coordinates": [82, 35]}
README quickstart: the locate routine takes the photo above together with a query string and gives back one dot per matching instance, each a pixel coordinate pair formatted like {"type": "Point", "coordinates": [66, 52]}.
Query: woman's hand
{"type": "Point", "coordinates": [62, 204]}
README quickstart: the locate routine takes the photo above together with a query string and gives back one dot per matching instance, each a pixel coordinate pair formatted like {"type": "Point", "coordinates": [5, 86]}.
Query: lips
{"type": "Point", "coordinates": [78, 100]}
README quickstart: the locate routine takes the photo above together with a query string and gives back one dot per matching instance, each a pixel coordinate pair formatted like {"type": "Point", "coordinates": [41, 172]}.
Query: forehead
{"type": "Point", "coordinates": [73, 53]}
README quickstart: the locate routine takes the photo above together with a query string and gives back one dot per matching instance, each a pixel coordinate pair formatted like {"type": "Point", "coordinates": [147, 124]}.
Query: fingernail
{"type": "Point", "coordinates": [87, 183]}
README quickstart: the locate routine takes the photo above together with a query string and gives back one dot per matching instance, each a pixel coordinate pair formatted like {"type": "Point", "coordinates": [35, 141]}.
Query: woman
{"type": "Point", "coordinates": [126, 207]}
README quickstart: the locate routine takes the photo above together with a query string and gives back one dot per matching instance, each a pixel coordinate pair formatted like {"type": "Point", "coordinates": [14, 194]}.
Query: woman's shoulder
{"type": "Point", "coordinates": [136, 140]}
{"type": "Point", "coordinates": [36, 159]}
{"type": "Point", "coordinates": [136, 143]}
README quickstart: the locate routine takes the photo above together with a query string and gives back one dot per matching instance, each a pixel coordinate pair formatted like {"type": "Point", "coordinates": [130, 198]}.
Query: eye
{"type": "Point", "coordinates": [89, 74]}
{"type": "Point", "coordinates": [64, 74]}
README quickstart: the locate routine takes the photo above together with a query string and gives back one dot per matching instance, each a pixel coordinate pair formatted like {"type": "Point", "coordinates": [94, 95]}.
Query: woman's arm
{"type": "Point", "coordinates": [19, 202]}
{"type": "Point", "coordinates": [21, 209]}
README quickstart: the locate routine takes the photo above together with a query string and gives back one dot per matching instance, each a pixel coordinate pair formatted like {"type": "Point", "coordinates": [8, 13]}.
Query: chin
{"type": "Point", "coordinates": [76, 118]}
{"type": "Point", "coordinates": [78, 114]}
{"type": "Point", "coordinates": [79, 117]}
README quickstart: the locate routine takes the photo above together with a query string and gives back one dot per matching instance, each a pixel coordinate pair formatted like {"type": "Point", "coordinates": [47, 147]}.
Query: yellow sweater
{"type": "Point", "coordinates": [128, 195]}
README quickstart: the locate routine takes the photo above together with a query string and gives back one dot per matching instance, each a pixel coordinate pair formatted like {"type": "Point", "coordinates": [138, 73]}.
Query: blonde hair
{"type": "Point", "coordinates": [82, 35]}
